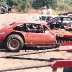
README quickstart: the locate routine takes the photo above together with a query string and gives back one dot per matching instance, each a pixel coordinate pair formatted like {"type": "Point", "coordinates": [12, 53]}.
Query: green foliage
{"type": "Point", "coordinates": [64, 5]}
{"type": "Point", "coordinates": [38, 4]}
{"type": "Point", "coordinates": [20, 5]}
{"type": "Point", "coordinates": [24, 5]}
{"type": "Point", "coordinates": [10, 2]}
{"type": "Point", "coordinates": [41, 3]}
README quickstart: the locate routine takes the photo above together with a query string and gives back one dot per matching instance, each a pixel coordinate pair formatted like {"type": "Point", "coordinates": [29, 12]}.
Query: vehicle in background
{"type": "Point", "coordinates": [60, 27]}
{"type": "Point", "coordinates": [5, 9]}
{"type": "Point", "coordinates": [66, 13]}
{"type": "Point", "coordinates": [27, 34]}
{"type": "Point", "coordinates": [63, 22]}
{"type": "Point", "coordinates": [43, 17]}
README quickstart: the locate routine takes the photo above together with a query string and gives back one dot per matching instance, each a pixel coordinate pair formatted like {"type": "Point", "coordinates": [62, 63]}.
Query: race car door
{"type": "Point", "coordinates": [36, 35]}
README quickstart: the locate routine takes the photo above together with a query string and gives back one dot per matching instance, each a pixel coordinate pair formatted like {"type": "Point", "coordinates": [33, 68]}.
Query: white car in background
{"type": "Point", "coordinates": [43, 17]}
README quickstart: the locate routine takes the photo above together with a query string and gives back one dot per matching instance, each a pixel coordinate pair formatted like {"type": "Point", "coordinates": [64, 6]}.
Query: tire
{"type": "Point", "coordinates": [14, 43]}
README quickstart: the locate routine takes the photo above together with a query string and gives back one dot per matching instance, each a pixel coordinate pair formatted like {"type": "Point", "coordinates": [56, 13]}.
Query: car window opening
{"type": "Point", "coordinates": [34, 28]}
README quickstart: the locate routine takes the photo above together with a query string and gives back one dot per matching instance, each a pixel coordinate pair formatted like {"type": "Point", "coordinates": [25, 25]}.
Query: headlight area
{"type": "Point", "coordinates": [2, 35]}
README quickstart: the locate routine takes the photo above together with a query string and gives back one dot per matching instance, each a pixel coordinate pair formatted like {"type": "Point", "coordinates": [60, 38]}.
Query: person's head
{"type": "Point", "coordinates": [45, 7]}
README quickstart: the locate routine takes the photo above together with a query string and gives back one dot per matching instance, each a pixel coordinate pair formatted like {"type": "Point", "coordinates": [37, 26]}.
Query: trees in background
{"type": "Point", "coordinates": [37, 4]}
{"type": "Point", "coordinates": [20, 5]}
{"type": "Point", "coordinates": [64, 5]}
{"type": "Point", "coordinates": [24, 5]}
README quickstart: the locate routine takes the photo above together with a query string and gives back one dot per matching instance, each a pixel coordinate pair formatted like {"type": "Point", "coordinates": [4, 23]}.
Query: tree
{"type": "Point", "coordinates": [64, 5]}
{"type": "Point", "coordinates": [24, 5]}
{"type": "Point", "coordinates": [20, 5]}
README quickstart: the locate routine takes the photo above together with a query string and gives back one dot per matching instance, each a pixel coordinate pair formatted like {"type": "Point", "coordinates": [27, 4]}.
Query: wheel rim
{"type": "Point", "coordinates": [13, 44]}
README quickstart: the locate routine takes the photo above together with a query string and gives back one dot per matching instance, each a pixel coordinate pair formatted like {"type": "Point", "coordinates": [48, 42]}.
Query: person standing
{"type": "Point", "coordinates": [6, 8]}
{"type": "Point", "coordinates": [45, 11]}
{"type": "Point", "coordinates": [0, 8]}
{"type": "Point", "coordinates": [50, 10]}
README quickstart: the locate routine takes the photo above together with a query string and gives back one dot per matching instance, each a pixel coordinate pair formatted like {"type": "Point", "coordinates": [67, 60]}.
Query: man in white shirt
{"type": "Point", "coordinates": [45, 11]}
{"type": "Point", "coordinates": [50, 11]}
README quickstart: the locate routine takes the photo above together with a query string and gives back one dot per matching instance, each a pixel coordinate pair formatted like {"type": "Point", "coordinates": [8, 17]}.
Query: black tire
{"type": "Point", "coordinates": [14, 43]}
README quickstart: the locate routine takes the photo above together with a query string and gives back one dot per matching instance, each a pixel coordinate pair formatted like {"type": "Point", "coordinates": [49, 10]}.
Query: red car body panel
{"type": "Point", "coordinates": [29, 37]}
{"type": "Point", "coordinates": [5, 33]}
{"type": "Point", "coordinates": [22, 22]}
{"type": "Point", "coordinates": [66, 13]}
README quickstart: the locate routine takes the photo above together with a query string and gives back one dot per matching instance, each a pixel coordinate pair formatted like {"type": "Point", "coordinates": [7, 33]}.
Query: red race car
{"type": "Point", "coordinates": [28, 34]}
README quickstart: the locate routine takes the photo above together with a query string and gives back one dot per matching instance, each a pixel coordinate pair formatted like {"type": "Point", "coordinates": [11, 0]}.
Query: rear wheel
{"type": "Point", "coordinates": [14, 43]}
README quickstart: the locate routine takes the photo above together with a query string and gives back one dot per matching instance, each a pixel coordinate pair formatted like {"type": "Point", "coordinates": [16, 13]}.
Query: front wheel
{"type": "Point", "coordinates": [14, 43]}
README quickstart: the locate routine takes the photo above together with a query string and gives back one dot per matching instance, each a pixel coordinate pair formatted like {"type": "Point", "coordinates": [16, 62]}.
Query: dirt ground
{"type": "Point", "coordinates": [6, 19]}
{"type": "Point", "coordinates": [32, 60]}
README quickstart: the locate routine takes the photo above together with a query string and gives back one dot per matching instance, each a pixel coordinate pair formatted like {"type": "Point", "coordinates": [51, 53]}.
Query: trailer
{"type": "Point", "coordinates": [67, 64]}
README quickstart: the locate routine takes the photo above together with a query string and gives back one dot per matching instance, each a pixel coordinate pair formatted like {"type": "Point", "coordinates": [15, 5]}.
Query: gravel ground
{"type": "Point", "coordinates": [6, 19]}
{"type": "Point", "coordinates": [35, 61]}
